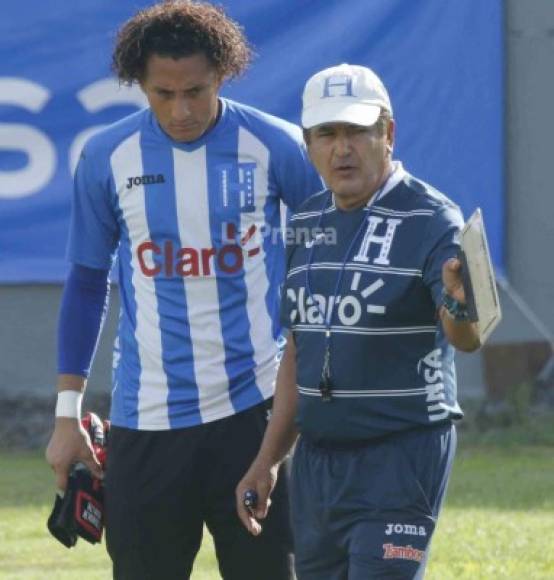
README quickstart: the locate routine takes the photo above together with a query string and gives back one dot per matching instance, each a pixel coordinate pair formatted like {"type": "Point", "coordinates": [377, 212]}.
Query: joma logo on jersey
{"type": "Point", "coordinates": [145, 180]}
{"type": "Point", "coordinates": [349, 309]}
{"type": "Point", "coordinates": [169, 261]}
{"type": "Point", "coordinates": [405, 529]}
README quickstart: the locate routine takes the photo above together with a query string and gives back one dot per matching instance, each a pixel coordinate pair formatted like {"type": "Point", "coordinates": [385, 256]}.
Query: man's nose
{"type": "Point", "coordinates": [180, 110]}
{"type": "Point", "coordinates": [342, 145]}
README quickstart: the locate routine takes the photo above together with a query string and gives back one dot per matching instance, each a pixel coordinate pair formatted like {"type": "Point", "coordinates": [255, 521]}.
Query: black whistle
{"type": "Point", "coordinates": [250, 499]}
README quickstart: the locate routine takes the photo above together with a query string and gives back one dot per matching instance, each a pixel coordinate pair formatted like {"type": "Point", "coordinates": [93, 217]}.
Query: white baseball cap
{"type": "Point", "coordinates": [346, 93]}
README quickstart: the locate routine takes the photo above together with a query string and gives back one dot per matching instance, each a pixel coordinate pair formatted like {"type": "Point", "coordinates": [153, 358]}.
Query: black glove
{"type": "Point", "coordinates": [80, 510]}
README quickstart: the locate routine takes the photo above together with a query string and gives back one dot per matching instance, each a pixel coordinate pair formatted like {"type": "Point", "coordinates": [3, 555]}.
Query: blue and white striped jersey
{"type": "Point", "coordinates": [196, 227]}
{"type": "Point", "coordinates": [390, 364]}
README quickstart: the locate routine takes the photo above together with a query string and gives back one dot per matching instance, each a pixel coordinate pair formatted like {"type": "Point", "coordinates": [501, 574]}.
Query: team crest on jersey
{"type": "Point", "coordinates": [384, 240]}
{"type": "Point", "coordinates": [237, 185]}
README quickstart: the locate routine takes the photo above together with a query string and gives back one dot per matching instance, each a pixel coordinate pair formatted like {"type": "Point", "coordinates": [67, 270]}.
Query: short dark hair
{"type": "Point", "coordinates": [178, 28]}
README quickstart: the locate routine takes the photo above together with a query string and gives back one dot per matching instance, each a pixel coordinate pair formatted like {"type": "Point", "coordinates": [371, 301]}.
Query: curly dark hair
{"type": "Point", "coordinates": [178, 28]}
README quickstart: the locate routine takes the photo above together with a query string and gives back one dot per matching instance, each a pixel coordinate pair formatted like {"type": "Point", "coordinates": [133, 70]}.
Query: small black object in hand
{"type": "Point", "coordinates": [250, 499]}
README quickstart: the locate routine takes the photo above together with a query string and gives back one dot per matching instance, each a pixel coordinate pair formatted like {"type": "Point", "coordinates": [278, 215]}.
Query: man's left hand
{"type": "Point", "coordinates": [261, 480]}
{"type": "Point", "coordinates": [452, 279]}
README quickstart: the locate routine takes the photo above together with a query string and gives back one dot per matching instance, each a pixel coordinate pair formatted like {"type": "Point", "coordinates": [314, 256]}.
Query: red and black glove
{"type": "Point", "coordinates": [80, 510]}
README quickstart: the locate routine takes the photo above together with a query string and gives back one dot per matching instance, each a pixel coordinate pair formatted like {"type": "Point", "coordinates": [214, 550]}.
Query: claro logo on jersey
{"type": "Point", "coordinates": [167, 259]}
{"type": "Point", "coordinates": [349, 308]}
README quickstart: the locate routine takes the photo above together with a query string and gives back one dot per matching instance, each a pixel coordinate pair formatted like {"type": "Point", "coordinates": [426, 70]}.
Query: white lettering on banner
{"type": "Point", "coordinates": [431, 366]}
{"type": "Point", "coordinates": [41, 165]}
{"type": "Point", "coordinates": [371, 238]}
{"type": "Point", "coordinates": [39, 148]}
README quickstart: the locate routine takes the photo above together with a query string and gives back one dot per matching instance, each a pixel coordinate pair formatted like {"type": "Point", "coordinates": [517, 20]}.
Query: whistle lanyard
{"type": "Point", "coordinates": [326, 385]}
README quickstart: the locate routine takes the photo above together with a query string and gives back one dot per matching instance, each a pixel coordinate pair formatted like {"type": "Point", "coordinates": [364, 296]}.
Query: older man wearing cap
{"type": "Point", "coordinates": [367, 379]}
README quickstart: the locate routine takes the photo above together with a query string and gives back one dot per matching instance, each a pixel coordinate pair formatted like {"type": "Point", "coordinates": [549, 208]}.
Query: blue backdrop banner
{"type": "Point", "coordinates": [441, 60]}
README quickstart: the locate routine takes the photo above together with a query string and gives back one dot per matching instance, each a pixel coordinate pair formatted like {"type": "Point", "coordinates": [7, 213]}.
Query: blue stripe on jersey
{"type": "Point", "coordinates": [177, 356]}
{"type": "Point", "coordinates": [232, 291]}
{"type": "Point", "coordinates": [127, 365]}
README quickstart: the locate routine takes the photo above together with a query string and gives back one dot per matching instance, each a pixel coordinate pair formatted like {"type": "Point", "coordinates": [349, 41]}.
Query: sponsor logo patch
{"type": "Point", "coordinates": [393, 552]}
{"type": "Point", "coordinates": [145, 180]}
{"type": "Point", "coordinates": [166, 259]}
{"type": "Point", "coordinates": [431, 369]}
{"type": "Point", "coordinates": [405, 529]}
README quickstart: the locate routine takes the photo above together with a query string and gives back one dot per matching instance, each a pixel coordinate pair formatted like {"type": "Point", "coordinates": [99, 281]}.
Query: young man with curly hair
{"type": "Point", "coordinates": [184, 193]}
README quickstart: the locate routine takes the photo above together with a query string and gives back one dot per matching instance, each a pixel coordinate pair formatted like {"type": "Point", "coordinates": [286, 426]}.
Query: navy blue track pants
{"type": "Point", "coordinates": [369, 512]}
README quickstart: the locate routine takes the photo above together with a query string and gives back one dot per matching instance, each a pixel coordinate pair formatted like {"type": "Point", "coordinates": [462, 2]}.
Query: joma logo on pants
{"type": "Point", "coordinates": [407, 529]}
{"type": "Point", "coordinates": [145, 180]}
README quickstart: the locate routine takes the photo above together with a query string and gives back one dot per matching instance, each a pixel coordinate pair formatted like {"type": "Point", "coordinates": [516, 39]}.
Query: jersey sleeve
{"type": "Point", "coordinates": [82, 312]}
{"type": "Point", "coordinates": [94, 230]}
{"type": "Point", "coordinates": [443, 242]}
{"type": "Point", "coordinates": [295, 174]}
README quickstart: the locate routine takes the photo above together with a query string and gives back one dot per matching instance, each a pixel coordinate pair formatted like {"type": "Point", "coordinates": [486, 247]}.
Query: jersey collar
{"type": "Point", "coordinates": [214, 131]}
{"type": "Point", "coordinates": [397, 175]}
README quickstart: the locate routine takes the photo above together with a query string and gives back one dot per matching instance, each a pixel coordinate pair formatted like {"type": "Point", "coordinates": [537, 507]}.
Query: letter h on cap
{"type": "Point", "coordinates": [343, 81]}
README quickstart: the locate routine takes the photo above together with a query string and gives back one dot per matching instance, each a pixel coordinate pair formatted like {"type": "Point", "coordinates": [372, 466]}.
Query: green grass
{"type": "Point", "coordinates": [498, 521]}
{"type": "Point", "coordinates": [28, 552]}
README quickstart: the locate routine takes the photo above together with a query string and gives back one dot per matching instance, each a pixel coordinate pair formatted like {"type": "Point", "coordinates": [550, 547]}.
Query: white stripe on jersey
{"type": "Point", "coordinates": [153, 389]}
{"type": "Point", "coordinates": [193, 218]}
{"type": "Point", "coordinates": [255, 275]}
{"type": "Point", "coordinates": [404, 214]}
{"type": "Point", "coordinates": [355, 266]}
{"type": "Point", "coordinates": [311, 214]}
{"type": "Point", "coordinates": [370, 331]}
